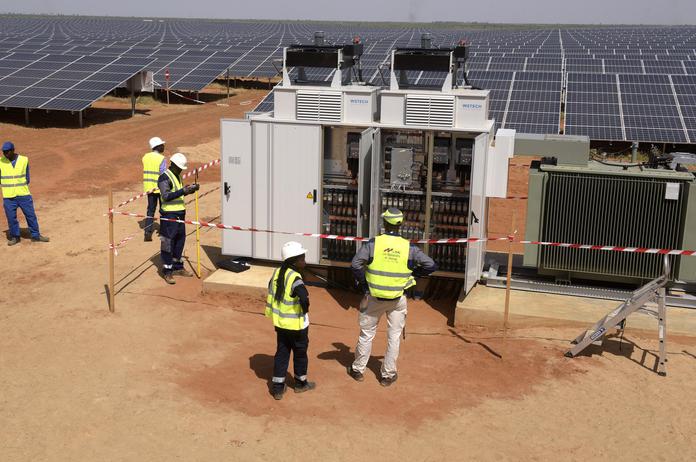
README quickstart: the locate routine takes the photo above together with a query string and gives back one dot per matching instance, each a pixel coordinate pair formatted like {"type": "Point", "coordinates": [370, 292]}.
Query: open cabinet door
{"type": "Point", "coordinates": [365, 181]}
{"type": "Point", "coordinates": [375, 198]}
{"type": "Point", "coordinates": [295, 186]}
{"type": "Point", "coordinates": [477, 212]}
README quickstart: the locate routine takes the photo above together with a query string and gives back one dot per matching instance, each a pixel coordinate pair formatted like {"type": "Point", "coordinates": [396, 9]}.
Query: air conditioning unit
{"type": "Point", "coordinates": [355, 104]}
{"type": "Point", "coordinates": [457, 108]}
{"type": "Point", "coordinates": [605, 205]}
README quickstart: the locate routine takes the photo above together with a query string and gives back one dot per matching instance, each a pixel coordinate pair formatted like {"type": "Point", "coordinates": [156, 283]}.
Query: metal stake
{"type": "Point", "coordinates": [112, 294]}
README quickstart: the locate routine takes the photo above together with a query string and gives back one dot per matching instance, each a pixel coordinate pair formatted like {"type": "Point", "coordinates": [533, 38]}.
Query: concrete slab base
{"type": "Point", "coordinates": [485, 306]}
{"type": "Point", "coordinates": [253, 282]}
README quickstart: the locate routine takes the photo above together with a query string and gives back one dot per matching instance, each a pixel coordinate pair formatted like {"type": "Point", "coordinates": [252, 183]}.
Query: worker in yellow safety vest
{"type": "Point", "coordinates": [173, 207]}
{"type": "Point", "coordinates": [287, 305]}
{"type": "Point", "coordinates": [14, 182]}
{"type": "Point", "coordinates": [384, 268]}
{"type": "Point", "coordinates": [154, 164]}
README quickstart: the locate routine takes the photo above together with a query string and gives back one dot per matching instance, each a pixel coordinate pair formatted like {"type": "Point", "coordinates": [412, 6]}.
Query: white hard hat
{"type": "Point", "coordinates": [155, 141]}
{"type": "Point", "coordinates": [292, 249]}
{"type": "Point", "coordinates": [179, 160]}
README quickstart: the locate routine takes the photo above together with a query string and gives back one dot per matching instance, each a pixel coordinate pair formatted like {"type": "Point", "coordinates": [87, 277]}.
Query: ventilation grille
{"type": "Point", "coordinates": [319, 106]}
{"type": "Point", "coordinates": [605, 210]}
{"type": "Point", "coordinates": [430, 111]}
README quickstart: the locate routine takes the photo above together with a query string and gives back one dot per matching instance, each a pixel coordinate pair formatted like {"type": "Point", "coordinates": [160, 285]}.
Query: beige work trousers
{"type": "Point", "coordinates": [369, 319]}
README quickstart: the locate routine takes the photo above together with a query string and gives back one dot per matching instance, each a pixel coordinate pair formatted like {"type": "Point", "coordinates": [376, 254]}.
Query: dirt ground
{"type": "Point", "coordinates": [177, 375]}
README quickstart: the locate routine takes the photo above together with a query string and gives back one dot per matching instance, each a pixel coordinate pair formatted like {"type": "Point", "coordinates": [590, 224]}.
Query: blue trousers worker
{"type": "Point", "coordinates": [173, 238]}
{"type": "Point", "coordinates": [153, 200]}
{"type": "Point", "coordinates": [26, 204]}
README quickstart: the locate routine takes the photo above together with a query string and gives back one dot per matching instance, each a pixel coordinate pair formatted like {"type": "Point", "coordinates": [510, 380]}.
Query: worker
{"type": "Point", "coordinates": [172, 206]}
{"type": "Point", "coordinates": [287, 305]}
{"type": "Point", "coordinates": [154, 164]}
{"type": "Point", "coordinates": [14, 180]}
{"type": "Point", "coordinates": [384, 267]}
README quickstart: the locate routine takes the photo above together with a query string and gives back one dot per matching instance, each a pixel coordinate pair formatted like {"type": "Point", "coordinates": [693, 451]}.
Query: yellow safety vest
{"type": "Point", "coordinates": [14, 179]}
{"type": "Point", "coordinates": [178, 204]}
{"type": "Point", "coordinates": [388, 274]}
{"type": "Point", "coordinates": [287, 313]}
{"type": "Point", "coordinates": [151, 166]}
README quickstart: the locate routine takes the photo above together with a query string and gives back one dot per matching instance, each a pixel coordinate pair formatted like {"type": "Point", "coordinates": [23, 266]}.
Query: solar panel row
{"type": "Point", "coordinates": [526, 70]}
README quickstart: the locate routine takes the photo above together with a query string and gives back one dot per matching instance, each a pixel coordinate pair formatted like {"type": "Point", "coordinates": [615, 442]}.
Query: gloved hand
{"type": "Point", "coordinates": [191, 188]}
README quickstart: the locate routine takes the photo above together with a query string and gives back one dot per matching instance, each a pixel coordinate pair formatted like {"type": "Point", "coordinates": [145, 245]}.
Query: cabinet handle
{"type": "Point", "coordinates": [315, 197]}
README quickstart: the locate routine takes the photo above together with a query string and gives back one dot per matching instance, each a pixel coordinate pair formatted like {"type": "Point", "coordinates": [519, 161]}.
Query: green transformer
{"type": "Point", "coordinates": [599, 204]}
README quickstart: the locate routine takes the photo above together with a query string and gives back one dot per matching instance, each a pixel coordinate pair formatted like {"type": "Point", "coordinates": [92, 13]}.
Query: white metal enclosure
{"type": "Point", "coordinates": [271, 180]}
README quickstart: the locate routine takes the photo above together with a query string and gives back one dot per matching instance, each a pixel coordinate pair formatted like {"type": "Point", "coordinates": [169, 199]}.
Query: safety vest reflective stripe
{"type": "Point", "coordinates": [286, 313]}
{"type": "Point", "coordinates": [388, 275]}
{"type": "Point", "coordinates": [178, 204]}
{"type": "Point", "coordinates": [151, 165]}
{"type": "Point", "coordinates": [381, 287]}
{"type": "Point", "coordinates": [13, 179]}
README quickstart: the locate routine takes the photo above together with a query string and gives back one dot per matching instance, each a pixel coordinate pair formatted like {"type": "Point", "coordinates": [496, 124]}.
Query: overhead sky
{"type": "Point", "coordinates": [507, 11]}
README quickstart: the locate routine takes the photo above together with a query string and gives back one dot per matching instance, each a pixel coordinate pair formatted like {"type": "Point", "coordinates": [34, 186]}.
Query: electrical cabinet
{"type": "Point", "coordinates": [271, 181]}
{"type": "Point", "coordinates": [335, 179]}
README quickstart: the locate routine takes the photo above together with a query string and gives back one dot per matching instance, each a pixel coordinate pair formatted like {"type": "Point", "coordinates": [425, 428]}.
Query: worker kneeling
{"type": "Point", "coordinates": [173, 207]}
{"type": "Point", "coordinates": [384, 268]}
{"type": "Point", "coordinates": [288, 304]}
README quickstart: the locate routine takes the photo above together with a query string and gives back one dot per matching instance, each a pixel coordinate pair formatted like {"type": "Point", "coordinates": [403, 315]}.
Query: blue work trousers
{"type": "Point", "coordinates": [297, 343]}
{"type": "Point", "coordinates": [173, 238]}
{"type": "Point", "coordinates": [26, 203]}
{"type": "Point", "coordinates": [152, 201]}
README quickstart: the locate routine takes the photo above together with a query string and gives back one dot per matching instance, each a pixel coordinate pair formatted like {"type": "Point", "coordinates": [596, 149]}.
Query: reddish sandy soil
{"type": "Point", "coordinates": [177, 375]}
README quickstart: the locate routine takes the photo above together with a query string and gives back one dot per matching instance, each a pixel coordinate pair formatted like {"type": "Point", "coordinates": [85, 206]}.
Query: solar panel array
{"type": "Point", "coordinates": [61, 82]}
{"type": "Point", "coordinates": [620, 83]}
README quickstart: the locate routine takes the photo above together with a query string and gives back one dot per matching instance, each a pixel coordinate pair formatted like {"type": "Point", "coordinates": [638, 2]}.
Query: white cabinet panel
{"type": "Point", "coordinates": [477, 212]}
{"type": "Point", "coordinates": [295, 185]}
{"type": "Point", "coordinates": [235, 137]}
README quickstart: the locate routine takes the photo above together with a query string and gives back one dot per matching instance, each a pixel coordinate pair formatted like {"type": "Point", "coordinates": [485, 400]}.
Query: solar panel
{"type": "Point", "coordinates": [61, 89]}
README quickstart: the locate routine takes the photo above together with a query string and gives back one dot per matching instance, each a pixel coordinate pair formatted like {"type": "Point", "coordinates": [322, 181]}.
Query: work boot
{"type": "Point", "coordinates": [278, 392]}
{"type": "Point", "coordinates": [357, 376]}
{"type": "Point", "coordinates": [302, 386]}
{"type": "Point", "coordinates": [13, 240]}
{"type": "Point", "coordinates": [169, 278]}
{"type": "Point", "coordinates": [386, 381]}
{"type": "Point", "coordinates": [148, 237]}
{"type": "Point", "coordinates": [183, 273]}
{"type": "Point", "coordinates": [40, 239]}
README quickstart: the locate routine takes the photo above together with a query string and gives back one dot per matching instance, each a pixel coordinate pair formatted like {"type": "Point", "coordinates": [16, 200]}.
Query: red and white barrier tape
{"type": "Point", "coordinates": [123, 241]}
{"type": "Point", "coordinates": [193, 172]}
{"type": "Point", "coordinates": [186, 97]}
{"type": "Point", "coordinates": [115, 247]}
{"type": "Point", "coordinates": [428, 241]}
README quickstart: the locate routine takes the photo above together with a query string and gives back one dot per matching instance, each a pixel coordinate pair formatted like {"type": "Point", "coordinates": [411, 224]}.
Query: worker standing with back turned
{"type": "Point", "coordinates": [287, 305]}
{"type": "Point", "coordinates": [173, 234]}
{"type": "Point", "coordinates": [14, 182]}
{"type": "Point", "coordinates": [384, 268]}
{"type": "Point", "coordinates": [154, 164]}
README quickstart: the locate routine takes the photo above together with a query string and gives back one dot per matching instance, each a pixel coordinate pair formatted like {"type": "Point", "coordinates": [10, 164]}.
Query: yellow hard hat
{"type": "Point", "coordinates": [393, 216]}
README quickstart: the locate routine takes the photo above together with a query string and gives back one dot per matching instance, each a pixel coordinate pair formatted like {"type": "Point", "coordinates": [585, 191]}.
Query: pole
{"type": "Point", "coordinates": [506, 317]}
{"type": "Point", "coordinates": [634, 152]}
{"type": "Point", "coordinates": [228, 85]}
{"type": "Point", "coordinates": [112, 294]}
{"type": "Point", "coordinates": [198, 238]}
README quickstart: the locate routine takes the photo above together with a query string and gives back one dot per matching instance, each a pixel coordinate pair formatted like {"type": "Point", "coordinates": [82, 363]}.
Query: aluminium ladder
{"type": "Point", "coordinates": [654, 291]}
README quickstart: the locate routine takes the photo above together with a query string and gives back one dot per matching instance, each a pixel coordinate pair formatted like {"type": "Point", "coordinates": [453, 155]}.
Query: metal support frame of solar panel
{"type": "Point", "coordinates": [62, 82]}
